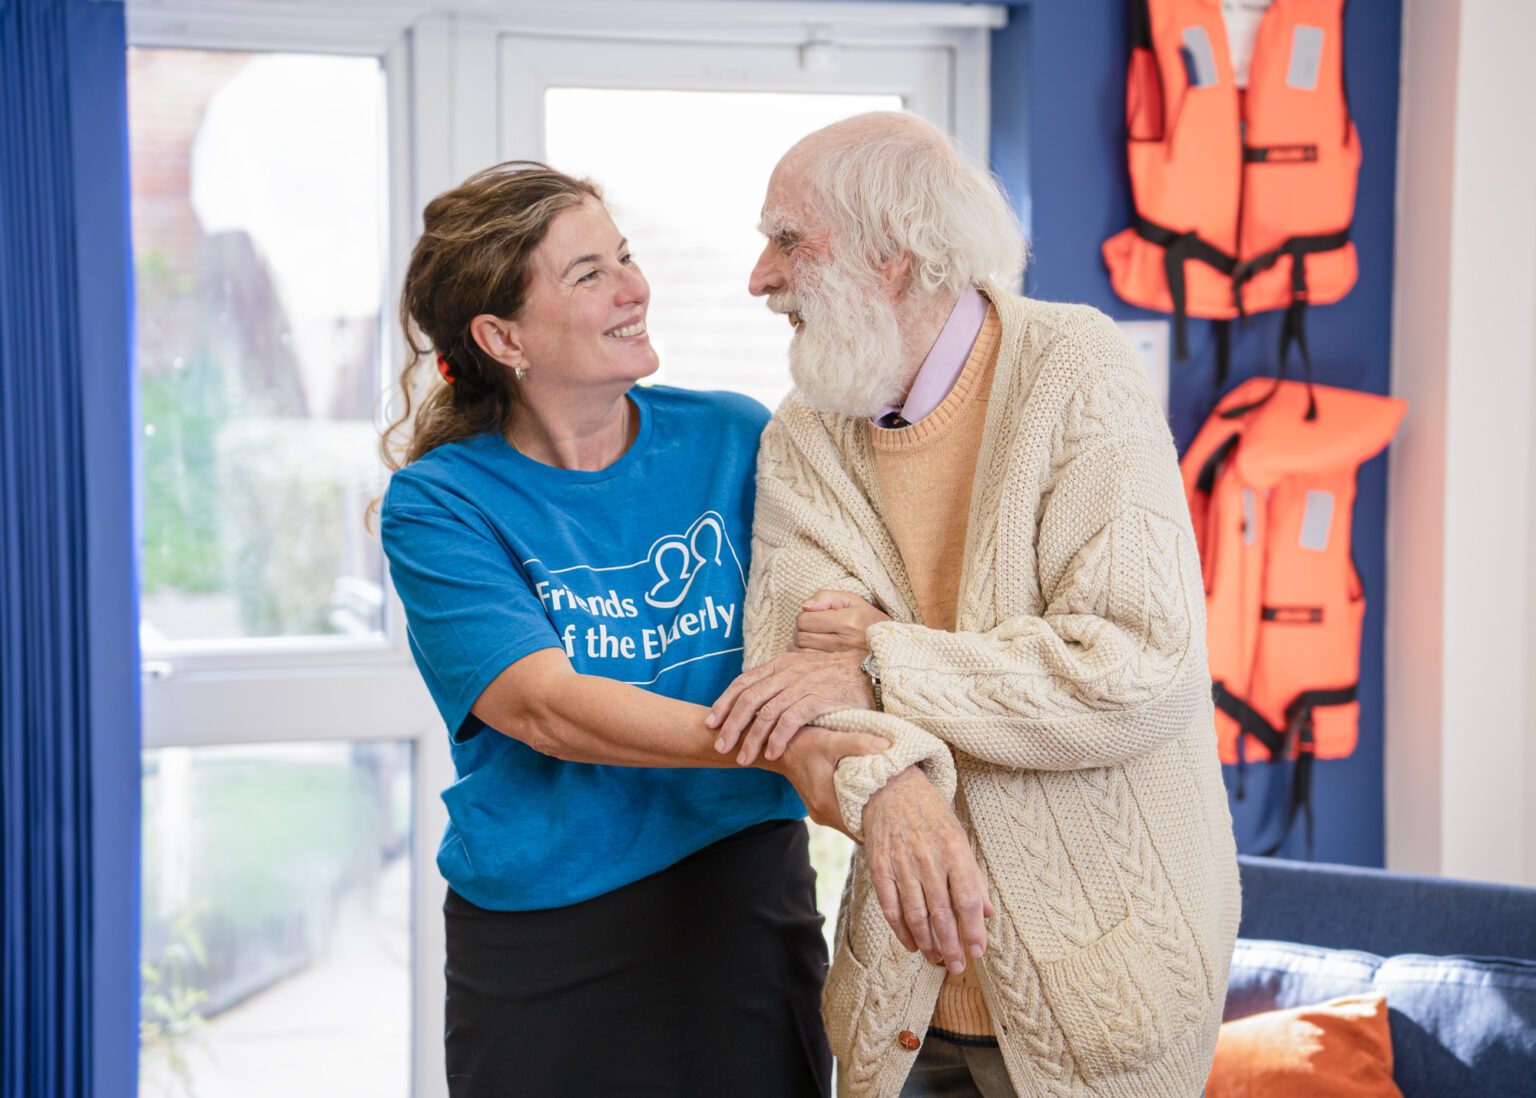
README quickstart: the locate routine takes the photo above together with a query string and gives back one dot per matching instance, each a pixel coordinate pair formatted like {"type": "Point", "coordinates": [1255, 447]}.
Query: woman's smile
{"type": "Point", "coordinates": [632, 332]}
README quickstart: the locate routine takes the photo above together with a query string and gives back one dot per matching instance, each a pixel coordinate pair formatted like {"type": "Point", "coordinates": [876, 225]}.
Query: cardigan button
{"type": "Point", "coordinates": [909, 1041]}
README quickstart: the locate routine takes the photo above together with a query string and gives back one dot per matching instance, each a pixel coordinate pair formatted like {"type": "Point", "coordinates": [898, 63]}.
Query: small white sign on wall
{"type": "Point", "coordinates": [1149, 339]}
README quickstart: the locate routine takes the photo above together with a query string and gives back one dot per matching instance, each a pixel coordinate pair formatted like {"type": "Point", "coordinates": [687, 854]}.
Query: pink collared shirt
{"type": "Point", "coordinates": [945, 361]}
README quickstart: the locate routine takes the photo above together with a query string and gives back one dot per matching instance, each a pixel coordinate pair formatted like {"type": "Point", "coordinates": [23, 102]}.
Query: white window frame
{"type": "Point", "coordinates": [322, 688]}
{"type": "Point", "coordinates": [445, 120]}
{"type": "Point", "coordinates": [532, 64]}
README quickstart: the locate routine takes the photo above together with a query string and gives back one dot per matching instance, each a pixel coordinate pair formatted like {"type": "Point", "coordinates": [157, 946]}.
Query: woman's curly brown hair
{"type": "Point", "coordinates": [474, 257]}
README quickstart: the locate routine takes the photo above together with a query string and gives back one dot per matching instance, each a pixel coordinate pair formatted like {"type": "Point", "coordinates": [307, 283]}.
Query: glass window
{"type": "Point", "coordinates": [276, 947]}
{"type": "Point", "coordinates": [259, 260]}
{"type": "Point", "coordinates": [685, 173]}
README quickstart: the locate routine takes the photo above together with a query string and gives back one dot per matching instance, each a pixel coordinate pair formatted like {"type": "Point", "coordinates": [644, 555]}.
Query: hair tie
{"type": "Point", "coordinates": [446, 370]}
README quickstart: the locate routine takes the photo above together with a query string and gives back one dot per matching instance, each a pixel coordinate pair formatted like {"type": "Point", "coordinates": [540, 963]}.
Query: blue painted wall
{"type": "Point", "coordinates": [1058, 86]}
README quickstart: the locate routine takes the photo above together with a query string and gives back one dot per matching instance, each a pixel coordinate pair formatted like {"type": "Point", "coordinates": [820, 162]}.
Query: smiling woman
{"type": "Point", "coordinates": [584, 325]}
{"type": "Point", "coordinates": [571, 551]}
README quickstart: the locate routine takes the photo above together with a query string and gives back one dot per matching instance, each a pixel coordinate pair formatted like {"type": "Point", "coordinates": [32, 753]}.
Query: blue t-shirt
{"type": "Point", "coordinates": [638, 571]}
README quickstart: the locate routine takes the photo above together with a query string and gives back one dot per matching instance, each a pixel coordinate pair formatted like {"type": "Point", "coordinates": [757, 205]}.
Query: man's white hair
{"type": "Point", "coordinates": [906, 190]}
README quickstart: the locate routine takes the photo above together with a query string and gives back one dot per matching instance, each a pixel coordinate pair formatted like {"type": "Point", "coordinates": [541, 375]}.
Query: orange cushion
{"type": "Point", "coordinates": [1339, 1048]}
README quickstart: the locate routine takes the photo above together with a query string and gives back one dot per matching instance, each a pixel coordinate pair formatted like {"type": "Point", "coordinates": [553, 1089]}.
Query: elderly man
{"type": "Point", "coordinates": [971, 538]}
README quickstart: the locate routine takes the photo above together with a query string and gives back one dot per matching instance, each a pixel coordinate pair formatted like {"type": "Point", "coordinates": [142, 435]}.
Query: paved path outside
{"type": "Point", "coordinates": [338, 1029]}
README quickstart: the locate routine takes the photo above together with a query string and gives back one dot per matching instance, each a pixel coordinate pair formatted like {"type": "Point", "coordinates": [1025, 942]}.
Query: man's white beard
{"type": "Point", "coordinates": [847, 355]}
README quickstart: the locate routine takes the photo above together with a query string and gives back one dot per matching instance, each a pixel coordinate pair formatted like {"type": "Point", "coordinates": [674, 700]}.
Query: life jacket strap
{"type": "Point", "coordinates": [1223, 330]}
{"type": "Point", "coordinates": [1249, 719]}
{"type": "Point", "coordinates": [1178, 249]}
{"type": "Point", "coordinates": [1205, 480]}
{"type": "Point", "coordinates": [1294, 328]}
{"type": "Point", "coordinates": [1181, 247]}
{"type": "Point", "coordinates": [1301, 730]}
{"type": "Point", "coordinates": [1298, 248]}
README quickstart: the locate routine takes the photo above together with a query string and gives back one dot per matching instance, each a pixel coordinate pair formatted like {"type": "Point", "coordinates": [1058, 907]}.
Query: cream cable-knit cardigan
{"type": "Point", "coordinates": [1076, 695]}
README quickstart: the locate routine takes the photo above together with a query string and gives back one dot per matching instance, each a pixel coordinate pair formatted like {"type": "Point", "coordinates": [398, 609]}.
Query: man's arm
{"type": "Point", "coordinates": [1115, 664]}
{"type": "Point", "coordinates": [1112, 667]}
{"type": "Point", "coordinates": [789, 564]}
{"type": "Point", "coordinates": [931, 889]}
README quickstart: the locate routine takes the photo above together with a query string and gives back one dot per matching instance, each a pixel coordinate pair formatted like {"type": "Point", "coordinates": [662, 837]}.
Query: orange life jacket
{"type": "Point", "coordinates": [1243, 197]}
{"type": "Point", "coordinates": [1271, 489]}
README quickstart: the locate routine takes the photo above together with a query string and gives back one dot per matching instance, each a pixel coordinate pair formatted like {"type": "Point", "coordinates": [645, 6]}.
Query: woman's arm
{"type": "Point", "coordinates": [542, 701]}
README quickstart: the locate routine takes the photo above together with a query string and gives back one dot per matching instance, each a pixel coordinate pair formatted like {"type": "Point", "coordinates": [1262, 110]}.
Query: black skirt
{"type": "Point", "coordinates": [701, 980]}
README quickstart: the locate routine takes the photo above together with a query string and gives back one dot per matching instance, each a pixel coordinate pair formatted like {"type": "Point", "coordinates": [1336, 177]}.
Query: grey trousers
{"type": "Point", "coordinates": [945, 1069]}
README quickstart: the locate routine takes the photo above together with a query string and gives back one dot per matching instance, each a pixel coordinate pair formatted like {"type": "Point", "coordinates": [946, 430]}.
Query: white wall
{"type": "Point", "coordinates": [1461, 611]}
{"type": "Point", "coordinates": [1530, 652]}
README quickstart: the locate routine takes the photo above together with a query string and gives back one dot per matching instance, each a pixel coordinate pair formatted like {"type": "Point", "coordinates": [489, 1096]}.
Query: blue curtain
{"type": "Point", "coordinates": [69, 726]}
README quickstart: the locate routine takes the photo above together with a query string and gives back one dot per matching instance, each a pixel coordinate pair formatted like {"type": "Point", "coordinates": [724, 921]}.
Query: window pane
{"type": "Point", "coordinates": [258, 225]}
{"type": "Point", "coordinates": [685, 173]}
{"type": "Point", "coordinates": [276, 926]}
{"type": "Point", "coordinates": [831, 852]}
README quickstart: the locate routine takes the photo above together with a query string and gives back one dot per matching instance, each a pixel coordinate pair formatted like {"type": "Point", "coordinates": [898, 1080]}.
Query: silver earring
{"type": "Point", "coordinates": [520, 373]}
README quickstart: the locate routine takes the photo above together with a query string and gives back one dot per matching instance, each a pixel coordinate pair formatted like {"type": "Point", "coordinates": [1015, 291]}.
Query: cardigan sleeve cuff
{"type": "Point", "coordinates": [860, 777]}
{"type": "Point", "coordinates": [893, 645]}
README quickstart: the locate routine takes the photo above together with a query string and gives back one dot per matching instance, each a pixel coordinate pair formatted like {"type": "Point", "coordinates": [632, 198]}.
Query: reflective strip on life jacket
{"type": "Point", "coordinates": [1243, 197]}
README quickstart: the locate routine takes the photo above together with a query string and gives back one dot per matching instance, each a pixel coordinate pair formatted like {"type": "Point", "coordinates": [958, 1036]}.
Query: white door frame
{"type": "Point", "coordinates": [1461, 525]}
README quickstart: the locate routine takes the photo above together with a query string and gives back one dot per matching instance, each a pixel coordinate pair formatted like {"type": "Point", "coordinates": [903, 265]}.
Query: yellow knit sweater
{"type": "Point", "coordinates": [1074, 688]}
{"type": "Point", "coordinates": [926, 472]}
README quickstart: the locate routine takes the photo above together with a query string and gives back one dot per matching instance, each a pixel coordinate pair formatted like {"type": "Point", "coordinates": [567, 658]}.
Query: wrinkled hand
{"type": "Point", "coordinates": [810, 762]}
{"type": "Point", "coordinates": [931, 890]}
{"type": "Point", "coordinates": [769, 704]}
{"type": "Point", "coordinates": [835, 621]}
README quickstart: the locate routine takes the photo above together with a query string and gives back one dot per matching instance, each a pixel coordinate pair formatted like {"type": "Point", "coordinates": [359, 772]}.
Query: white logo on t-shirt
{"type": "Point", "coordinates": [597, 609]}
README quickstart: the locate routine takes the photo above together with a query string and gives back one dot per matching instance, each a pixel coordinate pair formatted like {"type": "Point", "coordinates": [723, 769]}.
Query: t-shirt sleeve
{"type": "Point", "coordinates": [468, 604]}
{"type": "Point", "coordinates": [752, 415]}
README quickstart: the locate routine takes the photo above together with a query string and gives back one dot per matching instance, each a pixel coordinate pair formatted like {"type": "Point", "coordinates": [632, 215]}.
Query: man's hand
{"type": "Point", "coordinates": [931, 890]}
{"type": "Point", "coordinates": [835, 621]}
{"type": "Point", "coordinates": [810, 762]}
{"type": "Point", "coordinates": [769, 704]}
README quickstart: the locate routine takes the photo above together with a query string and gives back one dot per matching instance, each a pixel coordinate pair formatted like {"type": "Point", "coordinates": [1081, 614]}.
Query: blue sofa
{"type": "Point", "coordinates": [1456, 960]}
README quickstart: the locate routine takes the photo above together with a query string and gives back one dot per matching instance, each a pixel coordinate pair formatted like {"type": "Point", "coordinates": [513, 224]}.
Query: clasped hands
{"type": "Point", "coordinates": [930, 887]}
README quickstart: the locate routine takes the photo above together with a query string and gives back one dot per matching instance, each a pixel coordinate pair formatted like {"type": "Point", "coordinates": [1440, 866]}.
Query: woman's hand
{"type": "Point", "coordinates": [835, 621]}
{"type": "Point", "coordinates": [811, 761]}
{"type": "Point", "coordinates": [765, 707]}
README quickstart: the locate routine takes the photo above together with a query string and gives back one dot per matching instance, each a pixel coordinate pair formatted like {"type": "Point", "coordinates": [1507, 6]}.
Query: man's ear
{"type": "Point", "coordinates": [896, 274]}
{"type": "Point", "coordinates": [499, 338]}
